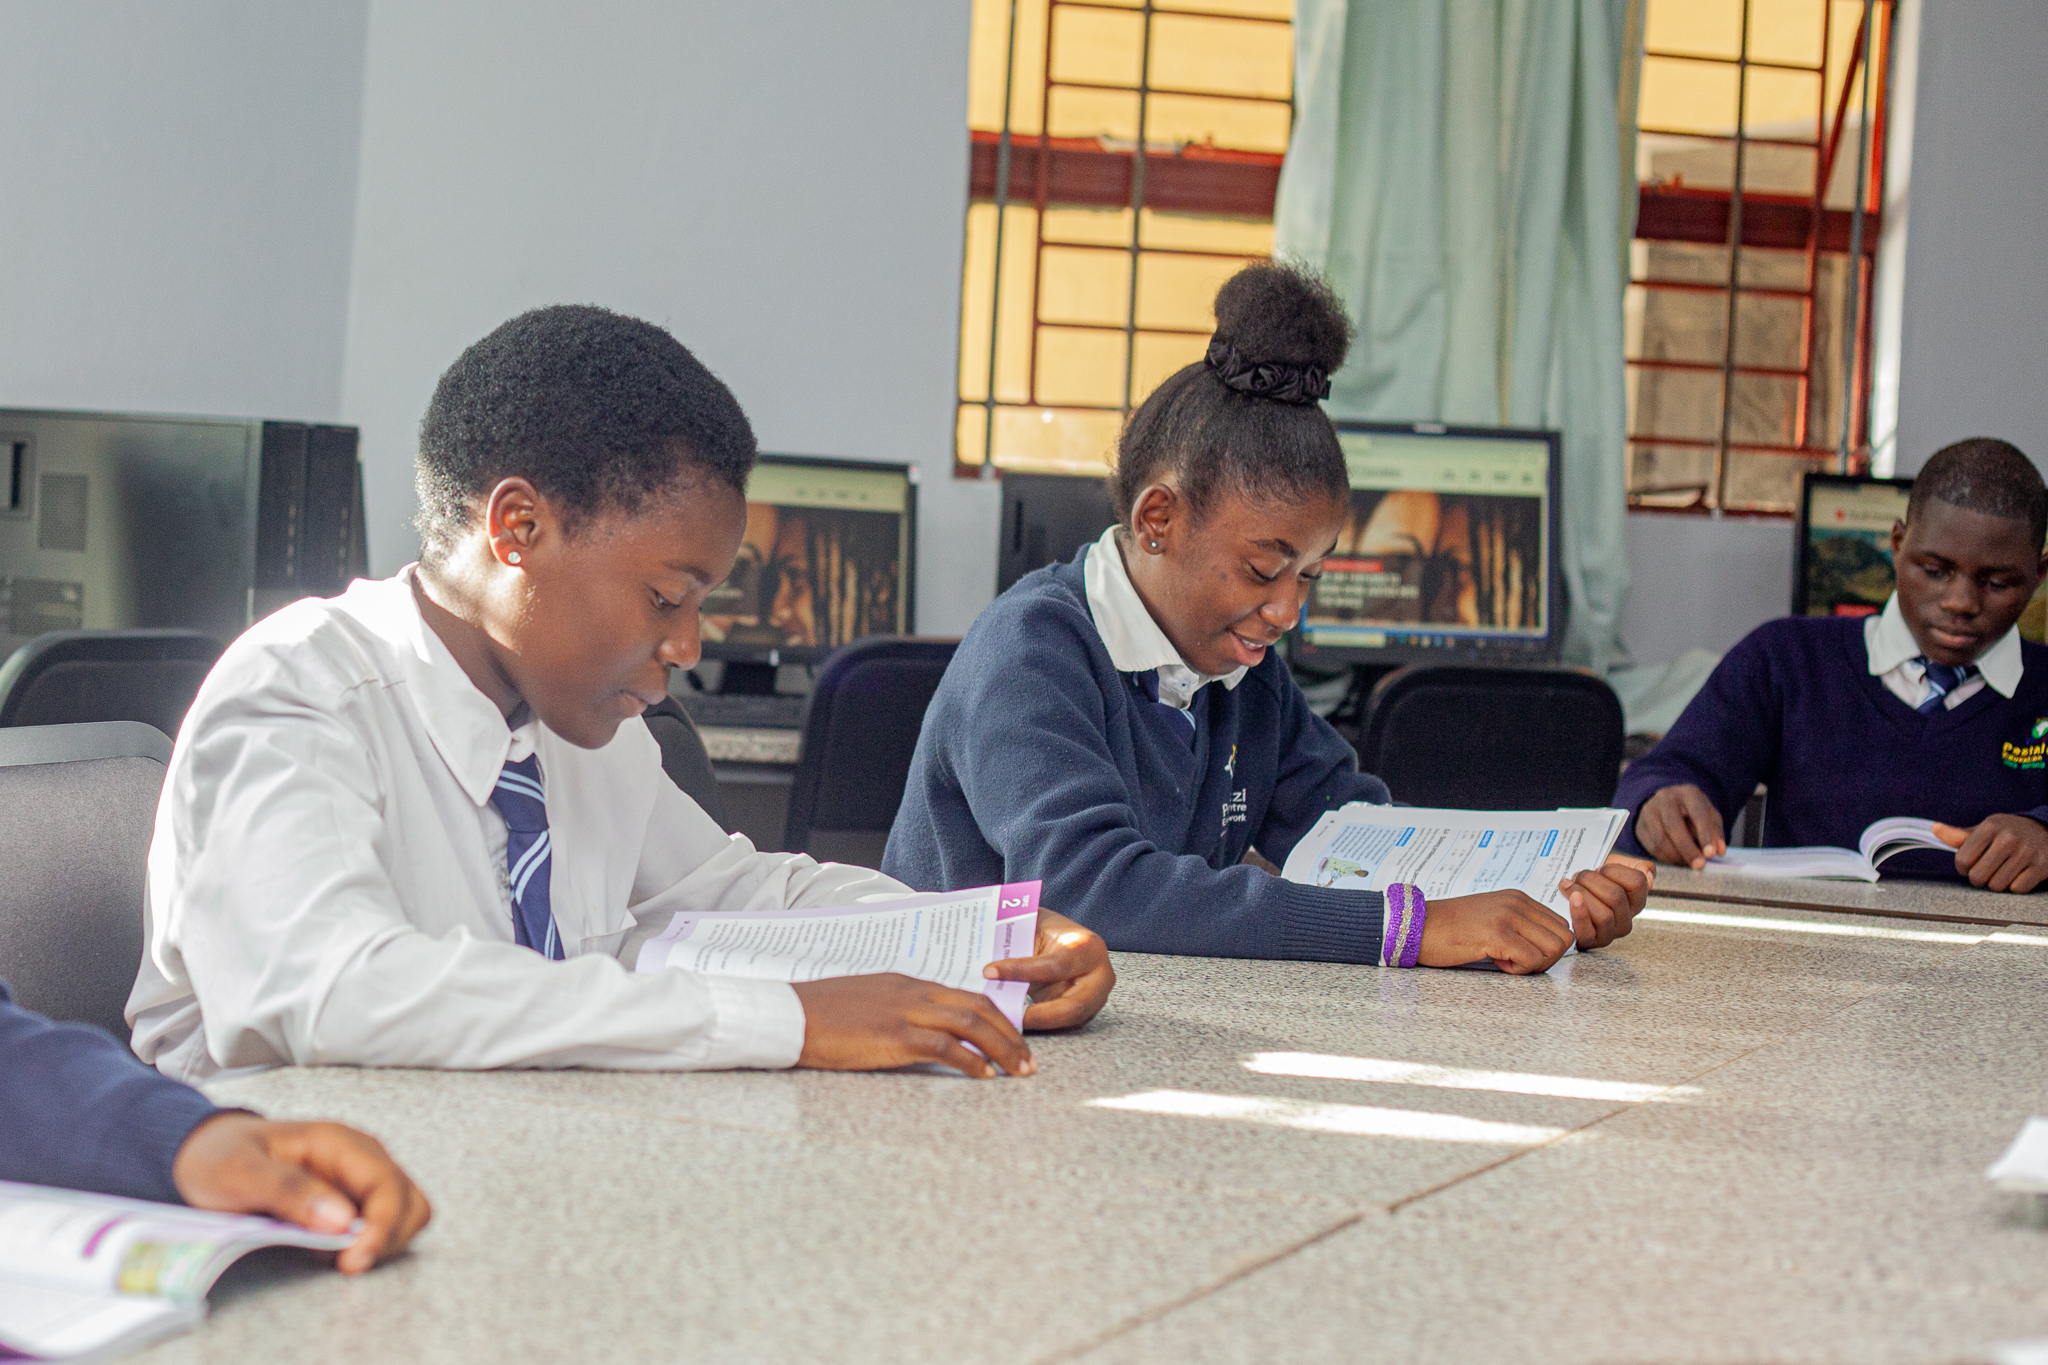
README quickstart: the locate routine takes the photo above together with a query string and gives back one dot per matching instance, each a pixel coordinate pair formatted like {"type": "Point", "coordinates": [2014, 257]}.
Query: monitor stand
{"type": "Point", "coordinates": [747, 680]}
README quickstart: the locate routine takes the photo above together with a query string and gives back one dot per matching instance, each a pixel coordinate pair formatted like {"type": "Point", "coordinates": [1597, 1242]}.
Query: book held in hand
{"type": "Point", "coordinates": [942, 936]}
{"type": "Point", "coordinates": [1455, 852]}
{"type": "Point", "coordinates": [1894, 834]}
{"type": "Point", "coordinates": [84, 1274]}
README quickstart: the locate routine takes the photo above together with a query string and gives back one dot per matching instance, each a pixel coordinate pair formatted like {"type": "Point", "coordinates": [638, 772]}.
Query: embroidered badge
{"type": "Point", "coordinates": [2033, 755]}
{"type": "Point", "coordinates": [2040, 728]}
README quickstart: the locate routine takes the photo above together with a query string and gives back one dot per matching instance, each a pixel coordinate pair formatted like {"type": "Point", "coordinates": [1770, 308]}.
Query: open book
{"type": "Point", "coordinates": [1895, 834]}
{"type": "Point", "coordinates": [942, 936]}
{"type": "Point", "coordinates": [1454, 852]}
{"type": "Point", "coordinates": [86, 1273]}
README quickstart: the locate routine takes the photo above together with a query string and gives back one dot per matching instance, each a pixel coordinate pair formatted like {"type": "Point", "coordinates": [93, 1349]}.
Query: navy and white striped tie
{"type": "Point", "coordinates": [1942, 679]}
{"type": "Point", "coordinates": [528, 858]}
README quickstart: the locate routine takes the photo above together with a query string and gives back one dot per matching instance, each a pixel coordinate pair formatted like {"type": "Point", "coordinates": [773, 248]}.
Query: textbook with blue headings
{"type": "Point", "coordinates": [1455, 852]}
{"type": "Point", "coordinates": [82, 1274]}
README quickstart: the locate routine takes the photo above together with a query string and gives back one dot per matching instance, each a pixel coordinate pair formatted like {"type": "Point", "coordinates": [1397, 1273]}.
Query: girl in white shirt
{"type": "Point", "coordinates": [329, 880]}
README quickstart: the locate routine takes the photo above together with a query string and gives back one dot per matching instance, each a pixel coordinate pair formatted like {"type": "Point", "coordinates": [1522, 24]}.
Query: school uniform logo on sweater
{"type": "Point", "coordinates": [2040, 728]}
{"type": "Point", "coordinates": [2033, 755]}
{"type": "Point", "coordinates": [1234, 808]}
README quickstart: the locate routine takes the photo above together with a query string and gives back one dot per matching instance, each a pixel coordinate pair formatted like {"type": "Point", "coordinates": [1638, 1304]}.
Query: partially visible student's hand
{"type": "Point", "coordinates": [322, 1176]}
{"type": "Point", "coordinates": [871, 1023]}
{"type": "Point", "coordinates": [1679, 825]}
{"type": "Point", "coordinates": [1510, 927]}
{"type": "Point", "coordinates": [1070, 973]}
{"type": "Point", "coordinates": [1605, 903]}
{"type": "Point", "coordinates": [2002, 853]}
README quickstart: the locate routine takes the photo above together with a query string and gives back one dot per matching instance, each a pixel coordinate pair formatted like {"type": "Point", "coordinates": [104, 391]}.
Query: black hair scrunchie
{"type": "Point", "coordinates": [1299, 384]}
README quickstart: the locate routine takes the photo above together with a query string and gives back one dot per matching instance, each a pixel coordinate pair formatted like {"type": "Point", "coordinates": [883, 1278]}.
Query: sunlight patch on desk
{"type": "Point", "coordinates": [1800, 926]}
{"type": "Point", "coordinates": [1320, 1066]}
{"type": "Point", "coordinates": [2024, 940]}
{"type": "Point", "coordinates": [1352, 1120]}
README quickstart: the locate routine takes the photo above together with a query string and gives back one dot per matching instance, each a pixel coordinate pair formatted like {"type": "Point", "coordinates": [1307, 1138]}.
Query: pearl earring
{"type": "Point", "coordinates": [512, 558]}
{"type": "Point", "coordinates": [1155, 545]}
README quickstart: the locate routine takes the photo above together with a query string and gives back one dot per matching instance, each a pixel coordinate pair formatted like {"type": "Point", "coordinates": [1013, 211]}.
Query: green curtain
{"type": "Point", "coordinates": [1462, 171]}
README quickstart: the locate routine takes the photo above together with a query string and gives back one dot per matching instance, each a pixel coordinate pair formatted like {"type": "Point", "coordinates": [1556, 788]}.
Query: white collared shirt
{"type": "Point", "coordinates": [1895, 658]}
{"type": "Point", "coordinates": [327, 880]}
{"type": "Point", "coordinates": [1134, 640]}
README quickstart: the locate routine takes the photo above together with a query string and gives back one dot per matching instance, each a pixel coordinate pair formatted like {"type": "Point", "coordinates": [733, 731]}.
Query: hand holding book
{"type": "Point", "coordinates": [2001, 852]}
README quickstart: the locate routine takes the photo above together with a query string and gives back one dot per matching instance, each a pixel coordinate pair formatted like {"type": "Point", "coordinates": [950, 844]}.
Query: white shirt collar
{"type": "Point", "coordinates": [467, 728]}
{"type": "Point", "coordinates": [1889, 642]}
{"type": "Point", "coordinates": [1134, 640]}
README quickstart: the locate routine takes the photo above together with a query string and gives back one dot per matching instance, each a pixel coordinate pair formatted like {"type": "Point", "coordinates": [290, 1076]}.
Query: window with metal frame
{"type": "Point", "coordinates": [1760, 155]}
{"type": "Point", "coordinates": [1125, 157]}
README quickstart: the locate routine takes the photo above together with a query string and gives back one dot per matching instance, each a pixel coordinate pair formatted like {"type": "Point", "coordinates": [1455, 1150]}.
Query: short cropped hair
{"type": "Point", "coordinates": [598, 410]}
{"type": "Point", "coordinates": [1985, 475]}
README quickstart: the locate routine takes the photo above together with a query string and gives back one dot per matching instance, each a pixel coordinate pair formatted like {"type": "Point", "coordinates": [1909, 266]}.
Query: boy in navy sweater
{"type": "Point", "coordinates": [1934, 708]}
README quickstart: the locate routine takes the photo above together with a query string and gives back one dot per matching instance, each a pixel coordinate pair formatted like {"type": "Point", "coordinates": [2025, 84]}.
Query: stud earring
{"type": "Point", "coordinates": [512, 558]}
{"type": "Point", "coordinates": [1155, 545]}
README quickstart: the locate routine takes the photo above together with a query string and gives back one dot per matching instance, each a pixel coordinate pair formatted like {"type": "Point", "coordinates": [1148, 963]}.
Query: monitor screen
{"type": "Point", "coordinates": [1047, 518]}
{"type": "Point", "coordinates": [827, 559]}
{"type": "Point", "coordinates": [1449, 552]}
{"type": "Point", "coordinates": [1845, 543]}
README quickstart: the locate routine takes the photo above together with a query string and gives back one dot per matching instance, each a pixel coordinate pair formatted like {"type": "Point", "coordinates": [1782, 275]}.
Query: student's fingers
{"type": "Point", "coordinates": [1705, 821]}
{"type": "Point", "coordinates": [225, 1165]}
{"type": "Point", "coordinates": [1647, 868]}
{"type": "Point", "coordinates": [1532, 938]}
{"type": "Point", "coordinates": [2003, 860]}
{"type": "Point", "coordinates": [1950, 834]}
{"type": "Point", "coordinates": [2030, 874]}
{"type": "Point", "coordinates": [943, 1048]}
{"type": "Point", "coordinates": [1665, 831]}
{"type": "Point", "coordinates": [391, 1206]}
{"type": "Point", "coordinates": [1592, 917]}
{"type": "Point", "coordinates": [1072, 978]}
{"type": "Point", "coordinates": [975, 1019]}
{"type": "Point", "coordinates": [1970, 855]}
{"type": "Point", "coordinates": [1610, 898]}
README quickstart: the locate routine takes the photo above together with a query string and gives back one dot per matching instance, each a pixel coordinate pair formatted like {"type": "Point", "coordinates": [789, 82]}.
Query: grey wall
{"type": "Point", "coordinates": [1974, 331]}
{"type": "Point", "coordinates": [1702, 582]}
{"type": "Point", "coordinates": [780, 183]}
{"type": "Point", "coordinates": [177, 188]}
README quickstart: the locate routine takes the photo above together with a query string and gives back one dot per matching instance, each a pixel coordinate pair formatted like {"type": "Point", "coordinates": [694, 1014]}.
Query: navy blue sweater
{"type": "Point", "coordinates": [77, 1110]}
{"type": "Point", "coordinates": [1794, 706]}
{"type": "Point", "coordinates": [1039, 760]}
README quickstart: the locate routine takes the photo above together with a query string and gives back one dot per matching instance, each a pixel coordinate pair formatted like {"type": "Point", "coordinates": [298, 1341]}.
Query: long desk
{"type": "Point", "coordinates": [1895, 898]}
{"type": "Point", "coordinates": [1738, 1135]}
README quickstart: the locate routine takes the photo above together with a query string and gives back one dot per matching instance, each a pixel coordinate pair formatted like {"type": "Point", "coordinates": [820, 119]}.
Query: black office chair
{"type": "Point", "coordinates": [70, 677]}
{"type": "Point", "coordinates": [1493, 738]}
{"type": "Point", "coordinates": [77, 806]}
{"type": "Point", "coordinates": [683, 757]}
{"type": "Point", "coordinates": [860, 730]}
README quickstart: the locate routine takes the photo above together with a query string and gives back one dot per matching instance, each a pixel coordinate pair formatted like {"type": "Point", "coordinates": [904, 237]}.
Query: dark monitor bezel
{"type": "Point", "coordinates": [1016, 485]}
{"type": "Point", "coordinates": [726, 652]}
{"type": "Point", "coordinates": [1532, 650]}
{"type": "Point", "coordinates": [1802, 521]}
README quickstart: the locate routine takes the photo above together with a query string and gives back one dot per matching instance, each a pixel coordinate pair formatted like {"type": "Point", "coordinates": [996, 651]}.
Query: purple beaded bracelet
{"type": "Point", "coordinates": [1406, 910]}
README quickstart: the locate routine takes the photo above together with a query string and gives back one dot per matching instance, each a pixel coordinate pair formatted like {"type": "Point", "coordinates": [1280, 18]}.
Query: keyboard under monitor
{"type": "Point", "coordinates": [739, 711]}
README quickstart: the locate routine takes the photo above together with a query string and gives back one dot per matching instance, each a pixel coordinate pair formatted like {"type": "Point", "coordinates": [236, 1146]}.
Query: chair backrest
{"type": "Point", "coordinates": [69, 677]}
{"type": "Point", "coordinates": [860, 730]}
{"type": "Point", "coordinates": [683, 757]}
{"type": "Point", "coordinates": [77, 803]}
{"type": "Point", "coordinates": [1493, 738]}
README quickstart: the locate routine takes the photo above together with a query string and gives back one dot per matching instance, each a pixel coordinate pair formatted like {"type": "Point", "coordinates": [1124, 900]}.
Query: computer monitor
{"type": "Point", "coordinates": [1843, 560]}
{"type": "Point", "coordinates": [1047, 518]}
{"type": "Point", "coordinates": [829, 557]}
{"type": "Point", "coordinates": [1449, 554]}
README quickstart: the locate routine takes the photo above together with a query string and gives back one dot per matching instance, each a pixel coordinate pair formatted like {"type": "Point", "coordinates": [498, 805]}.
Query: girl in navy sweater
{"type": "Point", "coordinates": [1121, 728]}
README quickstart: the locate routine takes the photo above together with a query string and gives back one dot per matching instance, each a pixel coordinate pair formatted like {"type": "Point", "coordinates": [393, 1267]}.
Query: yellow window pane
{"type": "Point", "coordinates": [1180, 291]}
{"type": "Point", "coordinates": [1202, 232]}
{"type": "Point", "coordinates": [1084, 286]}
{"type": "Point", "coordinates": [1781, 103]}
{"type": "Point", "coordinates": [1052, 440]}
{"type": "Point", "coordinates": [1159, 356]}
{"type": "Point", "coordinates": [987, 48]}
{"type": "Point", "coordinates": [1268, 9]}
{"type": "Point", "coordinates": [1108, 227]}
{"type": "Point", "coordinates": [1222, 55]}
{"type": "Point", "coordinates": [1710, 27]}
{"type": "Point", "coordinates": [1013, 371]}
{"type": "Point", "coordinates": [1096, 45]}
{"type": "Point", "coordinates": [1080, 366]}
{"type": "Point", "coordinates": [1092, 113]}
{"type": "Point", "coordinates": [1689, 97]}
{"type": "Point", "coordinates": [1787, 30]}
{"type": "Point", "coordinates": [1242, 125]}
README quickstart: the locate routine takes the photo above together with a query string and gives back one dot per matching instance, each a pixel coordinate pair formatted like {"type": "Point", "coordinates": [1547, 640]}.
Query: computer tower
{"type": "Point", "coordinates": [112, 520]}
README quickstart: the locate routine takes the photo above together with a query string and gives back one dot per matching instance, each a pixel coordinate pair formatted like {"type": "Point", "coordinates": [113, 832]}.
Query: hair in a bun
{"type": "Point", "coordinates": [1245, 419]}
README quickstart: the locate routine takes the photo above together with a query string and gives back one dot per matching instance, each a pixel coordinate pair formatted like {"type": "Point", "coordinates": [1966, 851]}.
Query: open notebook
{"type": "Point", "coordinates": [82, 1274]}
{"type": "Point", "coordinates": [1894, 834]}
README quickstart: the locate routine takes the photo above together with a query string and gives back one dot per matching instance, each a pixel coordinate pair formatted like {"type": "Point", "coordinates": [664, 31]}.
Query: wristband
{"type": "Point", "coordinates": [1406, 910]}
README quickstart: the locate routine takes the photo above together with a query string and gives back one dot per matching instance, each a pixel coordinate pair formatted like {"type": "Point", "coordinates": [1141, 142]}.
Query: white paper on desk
{"type": "Point", "coordinates": [942, 936]}
{"type": "Point", "coordinates": [1454, 852]}
{"type": "Point", "coordinates": [2024, 1167]}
